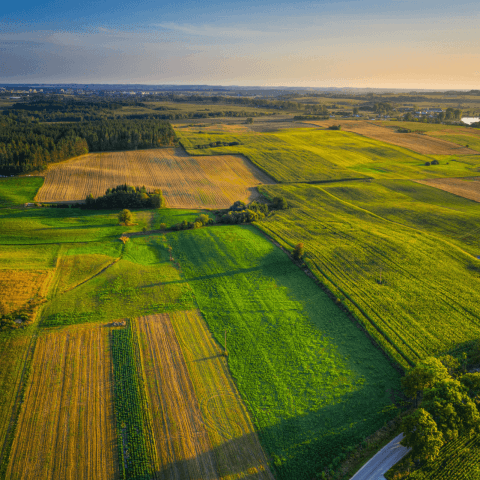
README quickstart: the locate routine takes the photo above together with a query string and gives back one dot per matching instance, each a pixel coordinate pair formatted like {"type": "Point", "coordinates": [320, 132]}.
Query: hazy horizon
{"type": "Point", "coordinates": [398, 44]}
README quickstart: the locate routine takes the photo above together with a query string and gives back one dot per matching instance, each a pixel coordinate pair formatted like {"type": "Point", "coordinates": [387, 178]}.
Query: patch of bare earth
{"type": "Point", "coordinates": [186, 181]}
{"type": "Point", "coordinates": [200, 425]}
{"type": "Point", "coordinates": [419, 143]}
{"type": "Point", "coordinates": [468, 187]}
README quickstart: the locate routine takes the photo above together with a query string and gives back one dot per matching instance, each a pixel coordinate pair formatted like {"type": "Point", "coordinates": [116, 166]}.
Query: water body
{"type": "Point", "coordinates": [470, 120]}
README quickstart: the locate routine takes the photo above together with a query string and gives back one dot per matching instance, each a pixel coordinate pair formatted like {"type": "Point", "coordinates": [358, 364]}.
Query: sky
{"type": "Point", "coordinates": [419, 44]}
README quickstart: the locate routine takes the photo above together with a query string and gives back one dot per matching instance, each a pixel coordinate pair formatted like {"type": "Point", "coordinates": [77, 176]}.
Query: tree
{"type": "Point", "coordinates": [355, 110]}
{"type": "Point", "coordinates": [452, 409]}
{"type": "Point", "coordinates": [125, 217]}
{"type": "Point", "coordinates": [425, 375]}
{"type": "Point", "coordinates": [422, 435]}
{"type": "Point", "coordinates": [249, 120]}
{"type": "Point", "coordinates": [279, 203]}
{"type": "Point", "coordinates": [298, 251]}
{"type": "Point", "coordinates": [471, 381]}
{"type": "Point", "coordinates": [157, 201]}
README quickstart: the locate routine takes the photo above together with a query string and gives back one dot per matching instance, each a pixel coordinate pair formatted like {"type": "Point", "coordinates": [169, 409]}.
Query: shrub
{"type": "Point", "coordinates": [298, 251]}
{"type": "Point", "coordinates": [125, 217]}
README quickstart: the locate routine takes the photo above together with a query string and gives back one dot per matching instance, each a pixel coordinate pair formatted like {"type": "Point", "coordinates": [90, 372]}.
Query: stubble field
{"type": "Point", "coordinates": [463, 187]}
{"type": "Point", "coordinates": [212, 182]}
{"type": "Point", "coordinates": [66, 427]}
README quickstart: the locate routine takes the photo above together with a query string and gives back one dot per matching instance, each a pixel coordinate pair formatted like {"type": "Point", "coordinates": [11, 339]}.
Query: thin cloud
{"type": "Point", "coordinates": [210, 30]}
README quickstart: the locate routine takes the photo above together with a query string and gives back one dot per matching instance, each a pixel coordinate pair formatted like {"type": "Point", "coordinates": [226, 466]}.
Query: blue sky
{"type": "Point", "coordinates": [358, 43]}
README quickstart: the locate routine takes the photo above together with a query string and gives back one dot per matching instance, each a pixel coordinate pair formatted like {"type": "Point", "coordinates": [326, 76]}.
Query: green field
{"type": "Point", "coordinates": [141, 282]}
{"type": "Point", "coordinates": [18, 190]}
{"type": "Point", "coordinates": [313, 155]}
{"type": "Point", "coordinates": [313, 382]}
{"type": "Point", "coordinates": [427, 299]}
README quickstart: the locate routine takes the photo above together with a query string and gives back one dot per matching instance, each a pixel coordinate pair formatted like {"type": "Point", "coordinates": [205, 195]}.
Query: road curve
{"type": "Point", "coordinates": [382, 461]}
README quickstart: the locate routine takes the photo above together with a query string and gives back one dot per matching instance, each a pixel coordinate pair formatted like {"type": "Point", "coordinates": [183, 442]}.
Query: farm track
{"type": "Point", "coordinates": [201, 428]}
{"type": "Point", "coordinates": [66, 427]}
{"type": "Point", "coordinates": [203, 181]}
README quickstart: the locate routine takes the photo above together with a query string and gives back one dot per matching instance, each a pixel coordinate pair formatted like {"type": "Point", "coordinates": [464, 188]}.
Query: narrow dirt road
{"type": "Point", "coordinates": [381, 462]}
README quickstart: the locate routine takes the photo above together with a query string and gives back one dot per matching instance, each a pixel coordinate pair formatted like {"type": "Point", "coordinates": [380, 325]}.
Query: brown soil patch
{"type": "Point", "coordinates": [419, 143]}
{"type": "Point", "coordinates": [186, 181]}
{"type": "Point", "coordinates": [463, 187]}
{"type": "Point", "coordinates": [66, 428]}
{"type": "Point", "coordinates": [201, 427]}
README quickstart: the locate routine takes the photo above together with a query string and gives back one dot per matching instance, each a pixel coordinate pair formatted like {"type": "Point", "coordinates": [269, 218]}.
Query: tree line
{"type": "Point", "coordinates": [26, 146]}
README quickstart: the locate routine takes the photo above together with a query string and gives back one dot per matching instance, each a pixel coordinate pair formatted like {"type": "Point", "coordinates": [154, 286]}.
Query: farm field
{"type": "Point", "coordinates": [14, 348]}
{"type": "Point", "coordinates": [66, 427]}
{"type": "Point", "coordinates": [315, 155]}
{"type": "Point", "coordinates": [311, 395]}
{"type": "Point", "coordinates": [186, 182]}
{"type": "Point", "coordinates": [200, 425]}
{"type": "Point", "coordinates": [19, 288]}
{"type": "Point", "coordinates": [383, 271]}
{"type": "Point", "coordinates": [413, 141]}
{"type": "Point", "coordinates": [463, 187]}
{"type": "Point", "coordinates": [140, 281]}
{"type": "Point", "coordinates": [18, 190]}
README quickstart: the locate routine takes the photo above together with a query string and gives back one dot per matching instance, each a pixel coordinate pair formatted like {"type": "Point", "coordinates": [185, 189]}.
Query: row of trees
{"type": "Point", "coordinates": [27, 146]}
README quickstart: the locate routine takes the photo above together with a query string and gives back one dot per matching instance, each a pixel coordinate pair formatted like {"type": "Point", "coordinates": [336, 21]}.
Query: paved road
{"type": "Point", "coordinates": [380, 463]}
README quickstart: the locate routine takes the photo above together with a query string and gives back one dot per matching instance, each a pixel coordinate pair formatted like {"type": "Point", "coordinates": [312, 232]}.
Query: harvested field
{"type": "Point", "coordinates": [66, 428]}
{"type": "Point", "coordinates": [186, 181]}
{"type": "Point", "coordinates": [22, 289]}
{"type": "Point", "coordinates": [419, 143]}
{"type": "Point", "coordinates": [201, 427]}
{"type": "Point", "coordinates": [463, 187]}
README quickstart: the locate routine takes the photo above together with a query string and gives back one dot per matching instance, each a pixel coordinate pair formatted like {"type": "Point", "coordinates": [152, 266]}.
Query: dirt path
{"type": "Point", "coordinates": [381, 462]}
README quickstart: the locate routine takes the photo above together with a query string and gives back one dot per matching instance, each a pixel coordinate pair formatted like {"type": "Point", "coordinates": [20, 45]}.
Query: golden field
{"type": "Point", "coordinates": [186, 182]}
{"type": "Point", "coordinates": [200, 425]}
{"type": "Point", "coordinates": [463, 187]}
{"type": "Point", "coordinates": [66, 428]}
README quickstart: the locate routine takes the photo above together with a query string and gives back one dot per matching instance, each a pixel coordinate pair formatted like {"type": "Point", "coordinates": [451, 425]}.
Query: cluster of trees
{"type": "Point", "coordinates": [240, 212]}
{"type": "Point", "coordinates": [26, 146]}
{"type": "Point", "coordinates": [126, 196]}
{"type": "Point", "coordinates": [201, 221]}
{"type": "Point", "coordinates": [310, 117]}
{"type": "Point", "coordinates": [450, 114]}
{"type": "Point", "coordinates": [217, 144]}
{"type": "Point", "coordinates": [447, 399]}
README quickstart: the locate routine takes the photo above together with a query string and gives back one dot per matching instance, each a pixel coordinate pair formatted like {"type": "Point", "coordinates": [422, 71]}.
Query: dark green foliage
{"type": "Point", "coordinates": [133, 445]}
{"type": "Point", "coordinates": [123, 196]}
{"type": "Point", "coordinates": [335, 127]}
{"type": "Point", "coordinates": [27, 146]}
{"type": "Point", "coordinates": [298, 251]}
{"type": "Point", "coordinates": [125, 216]}
{"type": "Point", "coordinates": [279, 203]}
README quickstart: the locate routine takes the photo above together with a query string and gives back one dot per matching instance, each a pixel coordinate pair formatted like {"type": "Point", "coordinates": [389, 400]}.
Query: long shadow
{"type": "Point", "coordinates": [300, 452]}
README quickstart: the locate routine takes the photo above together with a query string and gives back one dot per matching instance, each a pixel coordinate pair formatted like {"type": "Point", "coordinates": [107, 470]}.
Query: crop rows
{"type": "Point", "coordinates": [65, 428]}
{"type": "Point", "coordinates": [213, 182]}
{"type": "Point", "coordinates": [412, 290]}
{"type": "Point", "coordinates": [134, 447]}
{"type": "Point", "coordinates": [200, 426]}
{"type": "Point", "coordinates": [463, 187]}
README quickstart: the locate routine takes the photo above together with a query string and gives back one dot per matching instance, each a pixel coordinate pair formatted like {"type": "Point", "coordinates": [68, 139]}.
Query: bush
{"type": "Point", "coordinates": [125, 217]}
{"type": "Point", "coordinates": [298, 251]}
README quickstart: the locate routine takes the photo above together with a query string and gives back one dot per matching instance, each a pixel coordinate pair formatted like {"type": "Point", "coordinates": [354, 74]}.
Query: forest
{"type": "Point", "coordinates": [26, 146]}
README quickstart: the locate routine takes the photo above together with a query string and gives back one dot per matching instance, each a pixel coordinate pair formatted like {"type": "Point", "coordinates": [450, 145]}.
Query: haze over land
{"type": "Point", "coordinates": [365, 43]}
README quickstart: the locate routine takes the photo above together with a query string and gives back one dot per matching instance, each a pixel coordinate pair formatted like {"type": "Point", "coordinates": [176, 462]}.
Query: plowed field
{"type": "Point", "coordinates": [201, 427]}
{"type": "Point", "coordinates": [463, 187]}
{"type": "Point", "coordinates": [66, 428]}
{"type": "Point", "coordinates": [186, 181]}
{"type": "Point", "coordinates": [418, 143]}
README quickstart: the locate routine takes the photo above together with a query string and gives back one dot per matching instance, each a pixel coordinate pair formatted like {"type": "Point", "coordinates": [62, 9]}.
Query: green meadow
{"type": "Point", "coordinates": [314, 155]}
{"type": "Point", "coordinates": [414, 289]}
{"type": "Point", "coordinates": [18, 190]}
{"type": "Point", "coordinates": [313, 382]}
